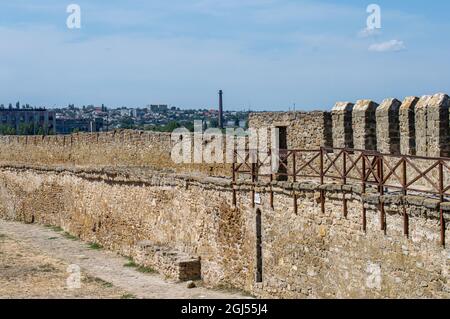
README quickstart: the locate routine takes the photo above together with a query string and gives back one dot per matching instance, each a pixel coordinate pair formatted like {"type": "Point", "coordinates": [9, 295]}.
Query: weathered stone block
{"type": "Point", "coordinates": [171, 263]}
{"type": "Point", "coordinates": [388, 126]}
{"type": "Point", "coordinates": [432, 125]}
{"type": "Point", "coordinates": [421, 125]}
{"type": "Point", "coordinates": [407, 126]}
{"type": "Point", "coordinates": [438, 126]}
{"type": "Point", "coordinates": [364, 125]}
{"type": "Point", "coordinates": [342, 125]}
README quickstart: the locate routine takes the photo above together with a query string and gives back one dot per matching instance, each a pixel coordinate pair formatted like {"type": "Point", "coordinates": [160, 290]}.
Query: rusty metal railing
{"type": "Point", "coordinates": [387, 173]}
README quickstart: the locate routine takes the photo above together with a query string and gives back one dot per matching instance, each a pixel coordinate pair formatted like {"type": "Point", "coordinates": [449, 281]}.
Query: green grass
{"type": "Point", "coordinates": [103, 283]}
{"type": "Point", "coordinates": [146, 270]}
{"type": "Point", "coordinates": [99, 281]}
{"type": "Point", "coordinates": [130, 263]}
{"type": "Point", "coordinates": [69, 236]}
{"type": "Point", "coordinates": [143, 269]}
{"type": "Point", "coordinates": [107, 284]}
{"type": "Point", "coordinates": [94, 246]}
{"type": "Point", "coordinates": [52, 238]}
{"type": "Point", "coordinates": [128, 296]}
{"type": "Point", "coordinates": [54, 228]}
{"type": "Point", "coordinates": [46, 268]}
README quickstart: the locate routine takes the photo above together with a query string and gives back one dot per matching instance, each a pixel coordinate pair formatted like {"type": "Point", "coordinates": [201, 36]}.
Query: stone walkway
{"type": "Point", "coordinates": [103, 264]}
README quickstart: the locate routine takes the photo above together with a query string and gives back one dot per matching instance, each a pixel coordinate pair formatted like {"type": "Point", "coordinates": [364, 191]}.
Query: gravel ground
{"type": "Point", "coordinates": [34, 263]}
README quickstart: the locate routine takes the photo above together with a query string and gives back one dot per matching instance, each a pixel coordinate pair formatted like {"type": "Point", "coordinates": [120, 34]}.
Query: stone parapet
{"type": "Point", "coordinates": [438, 132]}
{"type": "Point", "coordinates": [388, 126]}
{"type": "Point", "coordinates": [407, 126]}
{"type": "Point", "coordinates": [364, 125]}
{"type": "Point", "coordinates": [432, 126]}
{"type": "Point", "coordinates": [342, 125]}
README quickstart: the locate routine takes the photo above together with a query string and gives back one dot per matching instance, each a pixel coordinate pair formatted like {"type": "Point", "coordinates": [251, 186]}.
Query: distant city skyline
{"type": "Point", "coordinates": [147, 106]}
{"type": "Point", "coordinates": [267, 55]}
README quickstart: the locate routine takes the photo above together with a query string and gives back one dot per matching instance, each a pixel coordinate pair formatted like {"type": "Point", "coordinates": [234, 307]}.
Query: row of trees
{"type": "Point", "coordinates": [128, 123]}
{"type": "Point", "coordinates": [24, 129]}
{"type": "Point", "coordinates": [10, 106]}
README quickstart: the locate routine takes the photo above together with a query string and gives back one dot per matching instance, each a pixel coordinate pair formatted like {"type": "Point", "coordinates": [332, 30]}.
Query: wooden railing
{"type": "Point", "coordinates": [387, 173]}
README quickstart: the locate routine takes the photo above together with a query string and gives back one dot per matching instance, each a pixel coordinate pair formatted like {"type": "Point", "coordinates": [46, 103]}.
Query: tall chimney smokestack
{"type": "Point", "coordinates": [221, 109]}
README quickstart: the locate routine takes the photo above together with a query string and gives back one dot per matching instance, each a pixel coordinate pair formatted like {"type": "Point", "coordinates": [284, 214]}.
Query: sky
{"type": "Point", "coordinates": [264, 54]}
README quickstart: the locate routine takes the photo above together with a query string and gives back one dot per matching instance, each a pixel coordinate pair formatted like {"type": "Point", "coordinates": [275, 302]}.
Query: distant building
{"type": "Point", "coordinates": [137, 113]}
{"type": "Point", "coordinates": [68, 126]}
{"type": "Point", "coordinates": [125, 112]}
{"type": "Point", "coordinates": [29, 121]}
{"type": "Point", "coordinates": [159, 108]}
{"type": "Point", "coordinates": [230, 123]}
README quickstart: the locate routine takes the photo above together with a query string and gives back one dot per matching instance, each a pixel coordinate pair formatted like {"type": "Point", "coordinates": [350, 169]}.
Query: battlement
{"type": "Point", "coordinates": [416, 126]}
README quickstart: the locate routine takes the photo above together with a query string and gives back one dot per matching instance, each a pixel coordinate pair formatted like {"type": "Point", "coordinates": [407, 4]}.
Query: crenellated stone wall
{"type": "Point", "coordinates": [421, 121]}
{"type": "Point", "coordinates": [342, 125]}
{"type": "Point", "coordinates": [305, 130]}
{"type": "Point", "coordinates": [122, 190]}
{"type": "Point", "coordinates": [416, 126]}
{"type": "Point", "coordinates": [432, 126]}
{"type": "Point", "coordinates": [388, 127]}
{"type": "Point", "coordinates": [438, 131]}
{"type": "Point", "coordinates": [306, 254]}
{"type": "Point", "coordinates": [364, 125]}
{"type": "Point", "coordinates": [407, 126]}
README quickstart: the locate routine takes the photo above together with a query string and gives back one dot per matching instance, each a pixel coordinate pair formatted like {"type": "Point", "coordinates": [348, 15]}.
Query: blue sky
{"type": "Point", "coordinates": [264, 54]}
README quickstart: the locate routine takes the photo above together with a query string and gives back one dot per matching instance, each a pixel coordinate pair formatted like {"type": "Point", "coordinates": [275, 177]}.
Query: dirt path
{"type": "Point", "coordinates": [26, 272]}
{"type": "Point", "coordinates": [104, 266]}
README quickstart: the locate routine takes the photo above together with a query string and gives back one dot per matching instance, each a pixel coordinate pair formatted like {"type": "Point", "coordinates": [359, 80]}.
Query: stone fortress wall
{"type": "Point", "coordinates": [122, 148]}
{"type": "Point", "coordinates": [304, 254]}
{"type": "Point", "coordinates": [416, 126]}
{"type": "Point", "coordinates": [121, 190]}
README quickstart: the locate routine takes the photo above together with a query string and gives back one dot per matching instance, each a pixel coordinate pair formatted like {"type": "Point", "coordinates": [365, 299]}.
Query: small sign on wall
{"type": "Point", "coordinates": [257, 198]}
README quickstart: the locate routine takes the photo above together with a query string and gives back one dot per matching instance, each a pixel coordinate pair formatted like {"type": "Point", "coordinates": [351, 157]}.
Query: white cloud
{"type": "Point", "coordinates": [367, 33]}
{"type": "Point", "coordinates": [388, 46]}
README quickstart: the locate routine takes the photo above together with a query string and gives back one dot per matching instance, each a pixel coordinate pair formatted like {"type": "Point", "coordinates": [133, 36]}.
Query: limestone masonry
{"type": "Point", "coordinates": [191, 221]}
{"type": "Point", "coordinates": [418, 126]}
